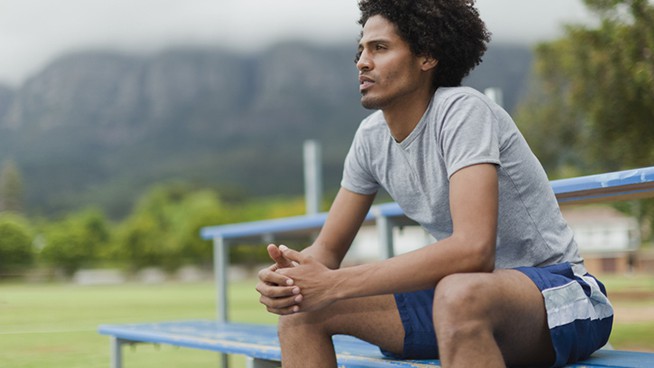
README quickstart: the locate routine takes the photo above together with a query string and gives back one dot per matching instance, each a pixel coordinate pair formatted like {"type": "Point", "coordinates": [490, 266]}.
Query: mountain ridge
{"type": "Point", "coordinates": [99, 127]}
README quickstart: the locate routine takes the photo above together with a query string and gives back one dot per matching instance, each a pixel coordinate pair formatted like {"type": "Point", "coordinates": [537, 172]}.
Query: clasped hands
{"type": "Point", "coordinates": [294, 283]}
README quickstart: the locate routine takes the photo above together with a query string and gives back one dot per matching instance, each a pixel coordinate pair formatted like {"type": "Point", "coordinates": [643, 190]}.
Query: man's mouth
{"type": "Point", "coordinates": [365, 83]}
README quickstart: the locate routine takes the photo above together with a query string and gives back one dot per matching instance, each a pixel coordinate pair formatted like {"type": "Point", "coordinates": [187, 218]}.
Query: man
{"type": "Point", "coordinates": [504, 284]}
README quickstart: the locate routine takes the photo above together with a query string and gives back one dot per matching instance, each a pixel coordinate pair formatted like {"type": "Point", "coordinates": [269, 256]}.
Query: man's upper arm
{"type": "Point", "coordinates": [474, 207]}
{"type": "Point", "coordinates": [345, 217]}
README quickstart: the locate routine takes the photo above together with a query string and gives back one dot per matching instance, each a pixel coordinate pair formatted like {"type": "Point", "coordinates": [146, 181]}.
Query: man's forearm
{"type": "Point", "coordinates": [318, 286]}
{"type": "Point", "coordinates": [417, 270]}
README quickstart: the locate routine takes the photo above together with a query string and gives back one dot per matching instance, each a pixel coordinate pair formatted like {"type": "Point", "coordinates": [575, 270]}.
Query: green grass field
{"type": "Point", "coordinates": [54, 325]}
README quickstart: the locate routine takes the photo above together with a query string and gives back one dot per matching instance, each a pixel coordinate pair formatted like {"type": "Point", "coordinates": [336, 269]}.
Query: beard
{"type": "Point", "coordinates": [373, 103]}
{"type": "Point", "coordinates": [385, 93]}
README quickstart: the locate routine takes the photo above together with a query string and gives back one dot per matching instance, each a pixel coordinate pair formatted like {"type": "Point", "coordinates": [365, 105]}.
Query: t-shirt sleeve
{"type": "Point", "coordinates": [468, 134]}
{"type": "Point", "coordinates": [357, 176]}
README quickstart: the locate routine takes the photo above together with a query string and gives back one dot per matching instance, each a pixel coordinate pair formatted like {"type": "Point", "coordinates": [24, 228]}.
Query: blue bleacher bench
{"type": "Point", "coordinates": [259, 343]}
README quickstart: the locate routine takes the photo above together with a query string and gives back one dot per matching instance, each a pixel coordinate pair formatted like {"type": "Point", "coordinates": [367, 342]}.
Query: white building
{"type": "Point", "coordinates": [607, 238]}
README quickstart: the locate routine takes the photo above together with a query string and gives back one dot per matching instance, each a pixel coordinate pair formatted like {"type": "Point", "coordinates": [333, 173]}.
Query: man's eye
{"type": "Point", "coordinates": [357, 57]}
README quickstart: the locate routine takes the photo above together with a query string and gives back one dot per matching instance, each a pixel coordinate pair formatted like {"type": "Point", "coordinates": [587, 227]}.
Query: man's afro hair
{"type": "Point", "coordinates": [450, 31]}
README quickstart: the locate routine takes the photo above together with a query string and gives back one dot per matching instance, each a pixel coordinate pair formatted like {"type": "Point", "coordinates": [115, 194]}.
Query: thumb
{"type": "Point", "coordinates": [276, 254]}
{"type": "Point", "coordinates": [292, 255]}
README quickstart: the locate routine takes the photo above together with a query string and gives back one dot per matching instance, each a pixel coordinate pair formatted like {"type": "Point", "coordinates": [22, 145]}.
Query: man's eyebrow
{"type": "Point", "coordinates": [373, 41]}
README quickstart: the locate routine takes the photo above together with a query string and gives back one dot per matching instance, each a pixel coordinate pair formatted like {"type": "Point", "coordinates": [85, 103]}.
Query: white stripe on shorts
{"type": "Point", "coordinates": [567, 303]}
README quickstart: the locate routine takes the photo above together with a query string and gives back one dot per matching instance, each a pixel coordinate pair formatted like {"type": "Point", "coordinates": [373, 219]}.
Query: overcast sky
{"type": "Point", "coordinates": [33, 32]}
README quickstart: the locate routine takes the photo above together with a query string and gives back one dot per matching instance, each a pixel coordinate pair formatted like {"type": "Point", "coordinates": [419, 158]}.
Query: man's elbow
{"type": "Point", "coordinates": [483, 256]}
{"type": "Point", "coordinates": [476, 253]}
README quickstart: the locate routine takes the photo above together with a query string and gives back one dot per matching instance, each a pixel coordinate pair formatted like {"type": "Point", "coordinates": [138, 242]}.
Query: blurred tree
{"type": "Point", "coordinates": [81, 239]}
{"type": "Point", "coordinates": [11, 187]}
{"type": "Point", "coordinates": [164, 228]}
{"type": "Point", "coordinates": [15, 243]}
{"type": "Point", "coordinates": [591, 106]}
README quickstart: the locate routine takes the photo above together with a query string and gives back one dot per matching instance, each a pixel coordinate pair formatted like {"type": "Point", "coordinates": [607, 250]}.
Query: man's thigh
{"type": "Point", "coordinates": [513, 306]}
{"type": "Point", "coordinates": [522, 329]}
{"type": "Point", "coordinates": [373, 319]}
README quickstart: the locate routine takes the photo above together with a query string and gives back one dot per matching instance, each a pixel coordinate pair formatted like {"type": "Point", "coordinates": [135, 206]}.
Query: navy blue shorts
{"type": "Point", "coordinates": [579, 315]}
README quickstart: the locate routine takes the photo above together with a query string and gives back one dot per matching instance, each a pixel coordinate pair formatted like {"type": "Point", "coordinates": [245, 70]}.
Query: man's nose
{"type": "Point", "coordinates": [364, 62]}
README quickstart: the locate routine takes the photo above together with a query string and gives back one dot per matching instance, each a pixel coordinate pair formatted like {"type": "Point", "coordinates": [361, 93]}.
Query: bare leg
{"type": "Point", "coordinates": [491, 319]}
{"type": "Point", "coordinates": [306, 337]}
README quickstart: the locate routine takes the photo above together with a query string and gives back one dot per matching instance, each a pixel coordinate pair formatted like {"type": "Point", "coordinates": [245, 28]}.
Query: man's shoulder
{"type": "Point", "coordinates": [444, 94]}
{"type": "Point", "coordinates": [462, 99]}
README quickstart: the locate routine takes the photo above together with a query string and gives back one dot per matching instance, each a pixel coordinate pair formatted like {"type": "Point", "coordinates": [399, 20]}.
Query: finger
{"type": "Point", "coordinates": [275, 253]}
{"type": "Point", "coordinates": [268, 275]}
{"type": "Point", "coordinates": [284, 311]}
{"type": "Point", "coordinates": [292, 255]}
{"type": "Point", "coordinates": [280, 303]}
{"type": "Point", "coordinates": [276, 292]}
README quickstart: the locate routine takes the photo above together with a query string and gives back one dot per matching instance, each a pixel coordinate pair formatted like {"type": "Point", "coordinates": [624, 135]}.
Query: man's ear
{"type": "Point", "coordinates": [428, 63]}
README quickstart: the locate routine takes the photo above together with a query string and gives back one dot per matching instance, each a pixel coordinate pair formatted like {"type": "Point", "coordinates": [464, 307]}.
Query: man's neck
{"type": "Point", "coordinates": [402, 118]}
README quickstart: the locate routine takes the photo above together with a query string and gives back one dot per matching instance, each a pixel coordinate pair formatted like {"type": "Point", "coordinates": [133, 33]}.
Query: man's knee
{"type": "Point", "coordinates": [461, 298]}
{"type": "Point", "coordinates": [303, 323]}
{"type": "Point", "coordinates": [292, 322]}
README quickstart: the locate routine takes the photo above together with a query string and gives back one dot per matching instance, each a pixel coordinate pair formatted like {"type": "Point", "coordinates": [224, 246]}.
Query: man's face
{"type": "Point", "coordinates": [389, 72]}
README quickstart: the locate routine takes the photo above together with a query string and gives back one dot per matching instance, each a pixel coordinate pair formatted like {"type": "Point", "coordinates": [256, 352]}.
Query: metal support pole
{"type": "Point", "coordinates": [116, 352]}
{"type": "Point", "coordinates": [385, 232]}
{"type": "Point", "coordinates": [495, 94]}
{"type": "Point", "coordinates": [220, 262]}
{"type": "Point", "coordinates": [220, 256]}
{"type": "Point", "coordinates": [312, 176]}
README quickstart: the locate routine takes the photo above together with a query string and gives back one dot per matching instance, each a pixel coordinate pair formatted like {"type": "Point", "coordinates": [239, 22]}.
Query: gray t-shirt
{"type": "Point", "coordinates": [462, 127]}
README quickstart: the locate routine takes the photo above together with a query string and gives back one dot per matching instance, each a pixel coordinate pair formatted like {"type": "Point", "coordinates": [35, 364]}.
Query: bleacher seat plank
{"type": "Point", "coordinates": [257, 341]}
{"type": "Point", "coordinates": [261, 342]}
